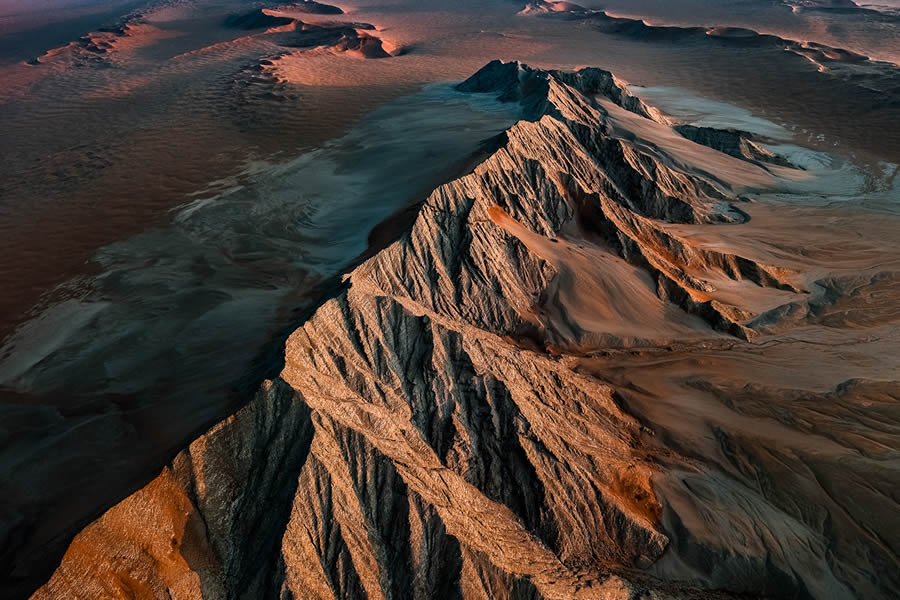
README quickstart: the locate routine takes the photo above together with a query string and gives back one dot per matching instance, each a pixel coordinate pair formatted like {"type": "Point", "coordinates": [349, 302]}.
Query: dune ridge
{"type": "Point", "coordinates": [356, 39]}
{"type": "Point", "coordinates": [880, 75]}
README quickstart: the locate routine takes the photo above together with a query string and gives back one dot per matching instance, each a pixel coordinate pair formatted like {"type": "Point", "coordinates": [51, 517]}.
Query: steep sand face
{"type": "Point", "coordinates": [573, 377]}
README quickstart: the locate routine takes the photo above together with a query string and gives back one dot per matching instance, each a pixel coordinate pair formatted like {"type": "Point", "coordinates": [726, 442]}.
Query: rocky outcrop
{"type": "Point", "coordinates": [209, 526]}
{"type": "Point", "coordinates": [739, 144]}
{"type": "Point", "coordinates": [567, 169]}
{"type": "Point", "coordinates": [432, 434]}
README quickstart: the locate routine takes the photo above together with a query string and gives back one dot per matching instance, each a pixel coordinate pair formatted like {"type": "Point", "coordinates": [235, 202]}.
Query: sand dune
{"type": "Point", "coordinates": [314, 8]}
{"type": "Point", "coordinates": [842, 62]}
{"type": "Point", "coordinates": [257, 19]}
{"type": "Point", "coordinates": [352, 39]}
{"type": "Point", "coordinates": [847, 7]}
{"type": "Point", "coordinates": [356, 39]}
{"type": "Point", "coordinates": [568, 8]}
{"type": "Point", "coordinates": [102, 44]}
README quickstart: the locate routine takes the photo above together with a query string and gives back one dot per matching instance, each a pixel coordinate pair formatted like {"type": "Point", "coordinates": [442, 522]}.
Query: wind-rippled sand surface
{"type": "Point", "coordinates": [178, 190]}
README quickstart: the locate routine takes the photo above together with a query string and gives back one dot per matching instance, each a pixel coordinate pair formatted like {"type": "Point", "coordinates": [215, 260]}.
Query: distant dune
{"type": "Point", "coordinates": [256, 19]}
{"type": "Point", "coordinates": [355, 39]}
{"type": "Point", "coordinates": [316, 8]}
{"type": "Point", "coordinates": [543, 7]}
{"type": "Point", "coordinates": [871, 10]}
{"type": "Point", "coordinates": [842, 62]}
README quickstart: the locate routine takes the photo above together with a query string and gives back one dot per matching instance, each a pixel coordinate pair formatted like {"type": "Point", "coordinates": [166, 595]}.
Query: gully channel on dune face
{"type": "Point", "coordinates": [494, 300]}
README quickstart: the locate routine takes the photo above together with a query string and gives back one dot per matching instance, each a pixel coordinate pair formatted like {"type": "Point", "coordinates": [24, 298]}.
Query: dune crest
{"type": "Point", "coordinates": [878, 74]}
